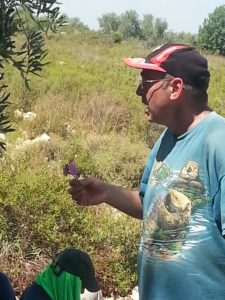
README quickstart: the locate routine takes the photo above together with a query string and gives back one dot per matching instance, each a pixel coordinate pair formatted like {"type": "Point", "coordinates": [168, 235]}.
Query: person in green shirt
{"type": "Point", "coordinates": [64, 278]}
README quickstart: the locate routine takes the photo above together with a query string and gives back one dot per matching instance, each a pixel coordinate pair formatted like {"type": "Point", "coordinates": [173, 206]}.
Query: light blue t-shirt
{"type": "Point", "coordinates": [182, 248]}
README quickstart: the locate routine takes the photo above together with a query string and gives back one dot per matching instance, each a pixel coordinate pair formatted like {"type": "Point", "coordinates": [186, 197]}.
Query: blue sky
{"type": "Point", "coordinates": [180, 15]}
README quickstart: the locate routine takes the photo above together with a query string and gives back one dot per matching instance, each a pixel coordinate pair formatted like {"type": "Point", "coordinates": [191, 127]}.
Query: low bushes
{"type": "Point", "coordinates": [38, 214]}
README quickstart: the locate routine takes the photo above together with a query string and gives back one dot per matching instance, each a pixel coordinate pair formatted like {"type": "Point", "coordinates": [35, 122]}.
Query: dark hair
{"type": "Point", "coordinates": [199, 95]}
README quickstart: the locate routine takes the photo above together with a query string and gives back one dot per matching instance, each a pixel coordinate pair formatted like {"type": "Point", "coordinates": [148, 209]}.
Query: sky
{"type": "Point", "coordinates": [181, 15]}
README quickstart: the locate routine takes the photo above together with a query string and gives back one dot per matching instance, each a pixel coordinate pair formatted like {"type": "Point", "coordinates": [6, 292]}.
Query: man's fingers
{"type": "Point", "coordinates": [81, 200]}
{"type": "Point", "coordinates": [80, 190]}
{"type": "Point", "coordinates": [74, 182]}
{"type": "Point", "coordinates": [78, 195]}
{"type": "Point", "coordinates": [82, 182]}
{"type": "Point", "coordinates": [75, 190]}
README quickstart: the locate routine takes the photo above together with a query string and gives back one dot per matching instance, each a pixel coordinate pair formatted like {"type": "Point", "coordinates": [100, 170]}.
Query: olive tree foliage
{"type": "Point", "coordinates": [181, 37]}
{"type": "Point", "coordinates": [129, 25]}
{"type": "Point", "coordinates": [109, 23]}
{"type": "Point", "coordinates": [160, 27]}
{"type": "Point", "coordinates": [28, 57]}
{"type": "Point", "coordinates": [211, 35]}
{"type": "Point", "coordinates": [126, 25]}
{"type": "Point", "coordinates": [77, 24]}
{"type": "Point", "coordinates": [153, 30]}
{"type": "Point", "coordinates": [147, 26]}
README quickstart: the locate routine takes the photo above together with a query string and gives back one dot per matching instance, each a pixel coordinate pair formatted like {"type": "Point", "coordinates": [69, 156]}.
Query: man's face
{"type": "Point", "coordinates": [154, 95]}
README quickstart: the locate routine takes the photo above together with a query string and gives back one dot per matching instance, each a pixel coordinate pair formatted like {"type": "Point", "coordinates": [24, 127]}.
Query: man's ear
{"type": "Point", "coordinates": [176, 85]}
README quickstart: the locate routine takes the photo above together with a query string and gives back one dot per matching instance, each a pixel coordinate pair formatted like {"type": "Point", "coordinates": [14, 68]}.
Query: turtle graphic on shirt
{"type": "Point", "coordinates": [190, 184]}
{"type": "Point", "coordinates": [160, 174]}
{"type": "Point", "coordinates": [165, 228]}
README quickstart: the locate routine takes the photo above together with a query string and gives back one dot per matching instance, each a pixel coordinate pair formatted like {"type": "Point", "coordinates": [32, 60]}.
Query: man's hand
{"type": "Point", "coordinates": [94, 191]}
{"type": "Point", "coordinates": [88, 191]}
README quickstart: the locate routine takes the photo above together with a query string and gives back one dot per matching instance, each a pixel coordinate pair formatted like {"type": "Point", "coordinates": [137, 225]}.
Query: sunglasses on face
{"type": "Point", "coordinates": [142, 82]}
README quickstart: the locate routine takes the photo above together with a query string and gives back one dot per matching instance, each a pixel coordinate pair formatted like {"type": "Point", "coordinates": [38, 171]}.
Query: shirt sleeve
{"type": "Point", "coordinates": [216, 169]}
{"type": "Point", "coordinates": [222, 206]}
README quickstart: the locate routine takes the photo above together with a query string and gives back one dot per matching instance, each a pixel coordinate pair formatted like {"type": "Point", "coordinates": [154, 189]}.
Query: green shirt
{"type": "Point", "coordinates": [64, 286]}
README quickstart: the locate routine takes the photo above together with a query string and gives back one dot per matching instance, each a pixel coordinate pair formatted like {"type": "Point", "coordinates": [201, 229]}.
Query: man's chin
{"type": "Point", "coordinates": [153, 120]}
{"type": "Point", "coordinates": [150, 119]}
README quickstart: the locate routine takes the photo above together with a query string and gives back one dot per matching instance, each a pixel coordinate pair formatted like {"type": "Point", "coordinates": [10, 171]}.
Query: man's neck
{"type": "Point", "coordinates": [186, 122]}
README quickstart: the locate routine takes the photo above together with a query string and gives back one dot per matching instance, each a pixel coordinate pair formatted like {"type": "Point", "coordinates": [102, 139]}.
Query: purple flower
{"type": "Point", "coordinates": [70, 168]}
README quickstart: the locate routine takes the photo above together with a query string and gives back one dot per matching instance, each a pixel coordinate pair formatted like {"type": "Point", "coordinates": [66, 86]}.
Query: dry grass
{"type": "Point", "coordinates": [103, 114]}
{"type": "Point", "coordinates": [21, 270]}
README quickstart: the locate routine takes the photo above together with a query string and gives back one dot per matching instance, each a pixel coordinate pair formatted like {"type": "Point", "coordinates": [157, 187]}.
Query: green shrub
{"type": "Point", "coordinates": [40, 215]}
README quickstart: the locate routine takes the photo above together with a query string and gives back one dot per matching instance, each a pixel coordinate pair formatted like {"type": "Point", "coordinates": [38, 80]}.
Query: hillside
{"type": "Point", "coordinates": [85, 102]}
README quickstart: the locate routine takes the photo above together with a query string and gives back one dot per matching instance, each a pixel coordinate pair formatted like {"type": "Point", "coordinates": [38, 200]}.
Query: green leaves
{"type": "Point", "coordinates": [211, 36]}
{"type": "Point", "coordinates": [33, 55]}
{"type": "Point", "coordinates": [47, 18]}
{"type": "Point", "coordinates": [4, 96]}
{"type": "Point", "coordinates": [129, 25]}
{"type": "Point", "coordinates": [4, 121]}
{"type": "Point", "coordinates": [7, 30]}
{"type": "Point", "coordinates": [22, 16]}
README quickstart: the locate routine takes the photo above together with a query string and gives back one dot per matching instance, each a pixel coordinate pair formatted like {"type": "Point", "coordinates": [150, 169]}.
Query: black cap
{"type": "Point", "coordinates": [178, 60]}
{"type": "Point", "coordinates": [78, 263]}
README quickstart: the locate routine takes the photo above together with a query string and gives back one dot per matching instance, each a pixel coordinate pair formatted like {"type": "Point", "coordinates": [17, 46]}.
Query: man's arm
{"type": "Point", "coordinates": [94, 191]}
{"type": "Point", "coordinates": [125, 200]}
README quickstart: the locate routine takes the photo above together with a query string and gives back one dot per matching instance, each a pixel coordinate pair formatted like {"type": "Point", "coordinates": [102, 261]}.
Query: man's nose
{"type": "Point", "coordinates": [139, 91]}
{"type": "Point", "coordinates": [144, 100]}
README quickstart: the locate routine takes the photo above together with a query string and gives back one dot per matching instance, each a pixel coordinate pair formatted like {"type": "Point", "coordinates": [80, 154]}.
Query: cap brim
{"type": "Point", "coordinates": [139, 63]}
{"type": "Point", "coordinates": [91, 284]}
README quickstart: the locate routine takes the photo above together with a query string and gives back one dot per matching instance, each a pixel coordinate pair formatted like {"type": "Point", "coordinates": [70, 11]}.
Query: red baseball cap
{"type": "Point", "coordinates": [178, 60]}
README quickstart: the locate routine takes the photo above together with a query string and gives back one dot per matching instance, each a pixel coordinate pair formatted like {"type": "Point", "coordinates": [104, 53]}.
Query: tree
{"type": "Point", "coordinates": [211, 35]}
{"type": "Point", "coordinates": [153, 30]}
{"type": "Point", "coordinates": [130, 25]}
{"type": "Point", "coordinates": [147, 26]}
{"type": "Point", "coordinates": [15, 17]}
{"type": "Point", "coordinates": [77, 24]}
{"type": "Point", "coordinates": [109, 23]}
{"type": "Point", "coordinates": [180, 37]}
{"type": "Point", "coordinates": [160, 27]}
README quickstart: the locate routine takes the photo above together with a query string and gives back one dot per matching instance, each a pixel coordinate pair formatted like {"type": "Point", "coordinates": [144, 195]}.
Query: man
{"type": "Point", "coordinates": [182, 191]}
